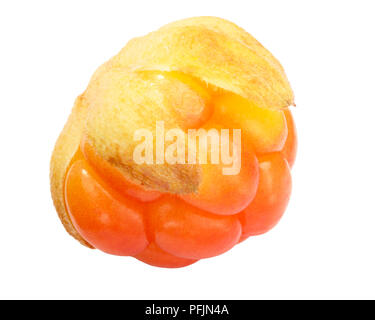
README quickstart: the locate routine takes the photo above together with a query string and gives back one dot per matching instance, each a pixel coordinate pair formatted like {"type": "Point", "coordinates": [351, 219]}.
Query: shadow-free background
{"type": "Point", "coordinates": [324, 245]}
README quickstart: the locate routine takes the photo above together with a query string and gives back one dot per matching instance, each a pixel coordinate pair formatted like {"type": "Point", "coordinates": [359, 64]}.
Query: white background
{"type": "Point", "coordinates": [324, 245]}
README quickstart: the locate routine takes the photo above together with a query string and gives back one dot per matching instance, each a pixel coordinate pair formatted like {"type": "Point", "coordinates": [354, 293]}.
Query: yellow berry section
{"type": "Point", "coordinates": [265, 129]}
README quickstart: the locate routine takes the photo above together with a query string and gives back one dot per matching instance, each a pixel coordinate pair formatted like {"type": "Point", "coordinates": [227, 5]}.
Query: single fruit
{"type": "Point", "coordinates": [177, 205]}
